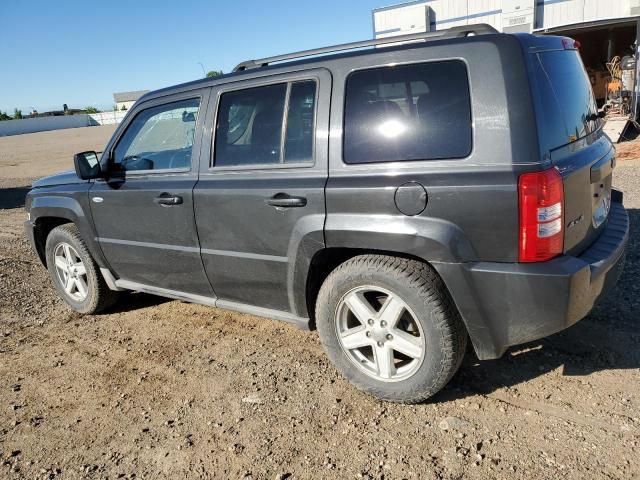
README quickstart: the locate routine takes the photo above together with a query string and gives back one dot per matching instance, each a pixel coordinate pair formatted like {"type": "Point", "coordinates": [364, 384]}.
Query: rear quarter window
{"type": "Point", "coordinates": [408, 112]}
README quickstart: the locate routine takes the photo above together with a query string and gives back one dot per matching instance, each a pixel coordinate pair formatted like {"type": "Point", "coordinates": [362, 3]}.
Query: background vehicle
{"type": "Point", "coordinates": [401, 199]}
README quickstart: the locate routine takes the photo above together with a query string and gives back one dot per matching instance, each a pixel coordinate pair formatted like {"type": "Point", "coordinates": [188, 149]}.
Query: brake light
{"type": "Point", "coordinates": [570, 44]}
{"type": "Point", "coordinates": [541, 197]}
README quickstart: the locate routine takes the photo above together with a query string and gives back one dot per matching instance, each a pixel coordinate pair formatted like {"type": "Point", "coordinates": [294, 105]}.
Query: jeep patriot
{"type": "Point", "coordinates": [402, 196]}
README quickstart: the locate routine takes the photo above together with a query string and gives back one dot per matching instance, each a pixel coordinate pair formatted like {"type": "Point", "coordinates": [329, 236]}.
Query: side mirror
{"type": "Point", "coordinates": [87, 165]}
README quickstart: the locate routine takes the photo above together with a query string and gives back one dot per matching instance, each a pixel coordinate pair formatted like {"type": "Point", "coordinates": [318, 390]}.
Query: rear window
{"type": "Point", "coordinates": [409, 112]}
{"type": "Point", "coordinates": [567, 97]}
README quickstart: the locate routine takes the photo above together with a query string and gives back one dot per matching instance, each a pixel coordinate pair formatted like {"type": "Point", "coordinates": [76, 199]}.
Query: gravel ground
{"type": "Point", "coordinates": [163, 389]}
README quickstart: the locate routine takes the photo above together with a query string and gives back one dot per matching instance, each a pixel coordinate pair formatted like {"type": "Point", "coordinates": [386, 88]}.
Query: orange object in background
{"type": "Point", "coordinates": [614, 86]}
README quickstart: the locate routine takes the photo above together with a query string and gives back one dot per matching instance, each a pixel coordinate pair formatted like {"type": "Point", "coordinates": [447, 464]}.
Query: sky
{"type": "Point", "coordinates": [81, 52]}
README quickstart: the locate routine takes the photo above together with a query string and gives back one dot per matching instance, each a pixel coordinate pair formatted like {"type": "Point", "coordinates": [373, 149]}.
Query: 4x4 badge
{"type": "Point", "coordinates": [575, 222]}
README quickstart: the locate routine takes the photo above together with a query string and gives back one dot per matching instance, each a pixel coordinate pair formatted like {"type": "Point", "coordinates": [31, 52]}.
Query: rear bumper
{"type": "Point", "coordinates": [505, 304]}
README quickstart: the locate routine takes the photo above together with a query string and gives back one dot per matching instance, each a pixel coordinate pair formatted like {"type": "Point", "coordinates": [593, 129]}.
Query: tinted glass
{"type": "Point", "coordinates": [571, 90]}
{"type": "Point", "coordinates": [249, 129]}
{"type": "Point", "coordinates": [409, 112]}
{"type": "Point", "coordinates": [300, 122]}
{"type": "Point", "coordinates": [250, 122]}
{"type": "Point", "coordinates": [158, 138]}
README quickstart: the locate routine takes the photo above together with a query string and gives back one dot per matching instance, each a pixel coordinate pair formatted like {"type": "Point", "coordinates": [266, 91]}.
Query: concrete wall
{"type": "Point", "coordinates": [106, 118]}
{"type": "Point", "coordinates": [41, 124]}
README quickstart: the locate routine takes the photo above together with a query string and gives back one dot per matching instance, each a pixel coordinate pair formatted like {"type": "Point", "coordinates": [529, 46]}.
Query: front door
{"type": "Point", "coordinates": [260, 199]}
{"type": "Point", "coordinates": [143, 212]}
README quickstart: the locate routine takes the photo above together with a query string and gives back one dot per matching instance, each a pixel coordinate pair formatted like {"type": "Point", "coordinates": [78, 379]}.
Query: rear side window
{"type": "Point", "coordinates": [251, 123]}
{"type": "Point", "coordinates": [409, 112]}
{"type": "Point", "coordinates": [300, 122]}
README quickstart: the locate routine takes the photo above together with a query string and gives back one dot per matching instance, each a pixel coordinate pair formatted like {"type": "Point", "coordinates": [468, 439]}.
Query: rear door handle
{"type": "Point", "coordinates": [167, 199]}
{"type": "Point", "coordinates": [286, 200]}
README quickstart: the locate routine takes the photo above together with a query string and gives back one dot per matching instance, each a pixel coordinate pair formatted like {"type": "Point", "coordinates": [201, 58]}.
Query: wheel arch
{"type": "Point", "coordinates": [43, 227]}
{"type": "Point", "coordinates": [328, 259]}
{"type": "Point", "coordinates": [322, 243]}
{"type": "Point", "coordinates": [50, 211]}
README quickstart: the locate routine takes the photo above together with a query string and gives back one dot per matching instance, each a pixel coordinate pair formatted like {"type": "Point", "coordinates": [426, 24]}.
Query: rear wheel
{"type": "Point", "coordinates": [390, 327]}
{"type": "Point", "coordinates": [74, 273]}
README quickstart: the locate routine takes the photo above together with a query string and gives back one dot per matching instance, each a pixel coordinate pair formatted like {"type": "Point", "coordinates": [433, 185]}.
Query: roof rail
{"type": "Point", "coordinates": [454, 32]}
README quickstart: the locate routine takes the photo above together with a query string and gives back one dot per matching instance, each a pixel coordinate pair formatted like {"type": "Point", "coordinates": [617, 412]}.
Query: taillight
{"type": "Point", "coordinates": [541, 199]}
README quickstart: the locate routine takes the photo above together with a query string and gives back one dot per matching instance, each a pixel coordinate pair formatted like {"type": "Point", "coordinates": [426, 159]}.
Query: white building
{"type": "Point", "coordinates": [505, 15]}
{"type": "Point", "coordinates": [604, 28]}
{"type": "Point", "coordinates": [125, 100]}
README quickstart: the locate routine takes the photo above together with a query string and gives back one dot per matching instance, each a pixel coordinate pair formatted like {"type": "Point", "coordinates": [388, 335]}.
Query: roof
{"type": "Point", "coordinates": [290, 62]}
{"type": "Point", "coordinates": [453, 32]}
{"type": "Point", "coordinates": [128, 96]}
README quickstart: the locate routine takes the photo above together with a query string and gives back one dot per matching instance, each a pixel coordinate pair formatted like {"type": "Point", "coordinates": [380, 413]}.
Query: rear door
{"type": "Point", "coordinates": [572, 136]}
{"type": "Point", "coordinates": [263, 189]}
{"type": "Point", "coordinates": [143, 212]}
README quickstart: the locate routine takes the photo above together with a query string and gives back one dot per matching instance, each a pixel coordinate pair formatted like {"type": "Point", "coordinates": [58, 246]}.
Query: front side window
{"type": "Point", "coordinates": [251, 123]}
{"type": "Point", "coordinates": [408, 112]}
{"type": "Point", "coordinates": [158, 138]}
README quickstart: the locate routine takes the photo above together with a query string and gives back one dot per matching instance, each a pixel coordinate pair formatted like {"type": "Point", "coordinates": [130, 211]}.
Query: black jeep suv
{"type": "Point", "coordinates": [403, 195]}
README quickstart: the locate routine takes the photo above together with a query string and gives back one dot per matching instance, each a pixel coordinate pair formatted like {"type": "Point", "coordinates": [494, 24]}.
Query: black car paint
{"type": "Point", "coordinates": [225, 245]}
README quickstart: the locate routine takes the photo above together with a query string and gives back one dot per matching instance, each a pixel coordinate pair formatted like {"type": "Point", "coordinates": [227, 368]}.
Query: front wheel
{"type": "Point", "coordinates": [74, 273]}
{"type": "Point", "coordinates": [390, 327]}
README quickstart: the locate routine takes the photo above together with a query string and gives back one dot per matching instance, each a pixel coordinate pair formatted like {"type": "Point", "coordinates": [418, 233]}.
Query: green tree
{"type": "Point", "coordinates": [215, 73]}
{"type": "Point", "coordinates": [4, 116]}
{"type": "Point", "coordinates": [91, 110]}
{"type": "Point", "coordinates": [17, 114]}
{"type": "Point", "coordinates": [124, 107]}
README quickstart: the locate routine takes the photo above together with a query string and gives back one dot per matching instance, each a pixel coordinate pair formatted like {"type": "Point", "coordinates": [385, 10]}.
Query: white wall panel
{"type": "Point", "coordinates": [452, 9]}
{"type": "Point", "coordinates": [549, 13]}
{"type": "Point", "coordinates": [480, 6]}
{"type": "Point", "coordinates": [563, 13]}
{"type": "Point", "coordinates": [601, 9]}
{"type": "Point", "coordinates": [401, 20]}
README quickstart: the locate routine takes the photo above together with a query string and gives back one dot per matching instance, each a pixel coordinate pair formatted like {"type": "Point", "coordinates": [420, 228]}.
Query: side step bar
{"type": "Point", "coordinates": [300, 322]}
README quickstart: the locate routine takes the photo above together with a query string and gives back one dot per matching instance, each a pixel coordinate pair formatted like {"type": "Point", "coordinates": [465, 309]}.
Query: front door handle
{"type": "Point", "coordinates": [167, 199]}
{"type": "Point", "coordinates": [286, 200]}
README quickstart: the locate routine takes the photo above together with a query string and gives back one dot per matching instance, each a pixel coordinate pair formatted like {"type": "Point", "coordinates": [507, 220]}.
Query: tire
{"type": "Point", "coordinates": [88, 292]}
{"type": "Point", "coordinates": [413, 294]}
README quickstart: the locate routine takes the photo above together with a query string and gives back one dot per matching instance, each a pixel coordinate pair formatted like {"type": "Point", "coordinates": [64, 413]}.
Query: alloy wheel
{"type": "Point", "coordinates": [379, 333]}
{"type": "Point", "coordinates": [71, 271]}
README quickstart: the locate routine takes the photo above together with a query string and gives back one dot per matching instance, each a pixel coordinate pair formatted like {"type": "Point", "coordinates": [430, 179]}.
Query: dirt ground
{"type": "Point", "coordinates": [162, 389]}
